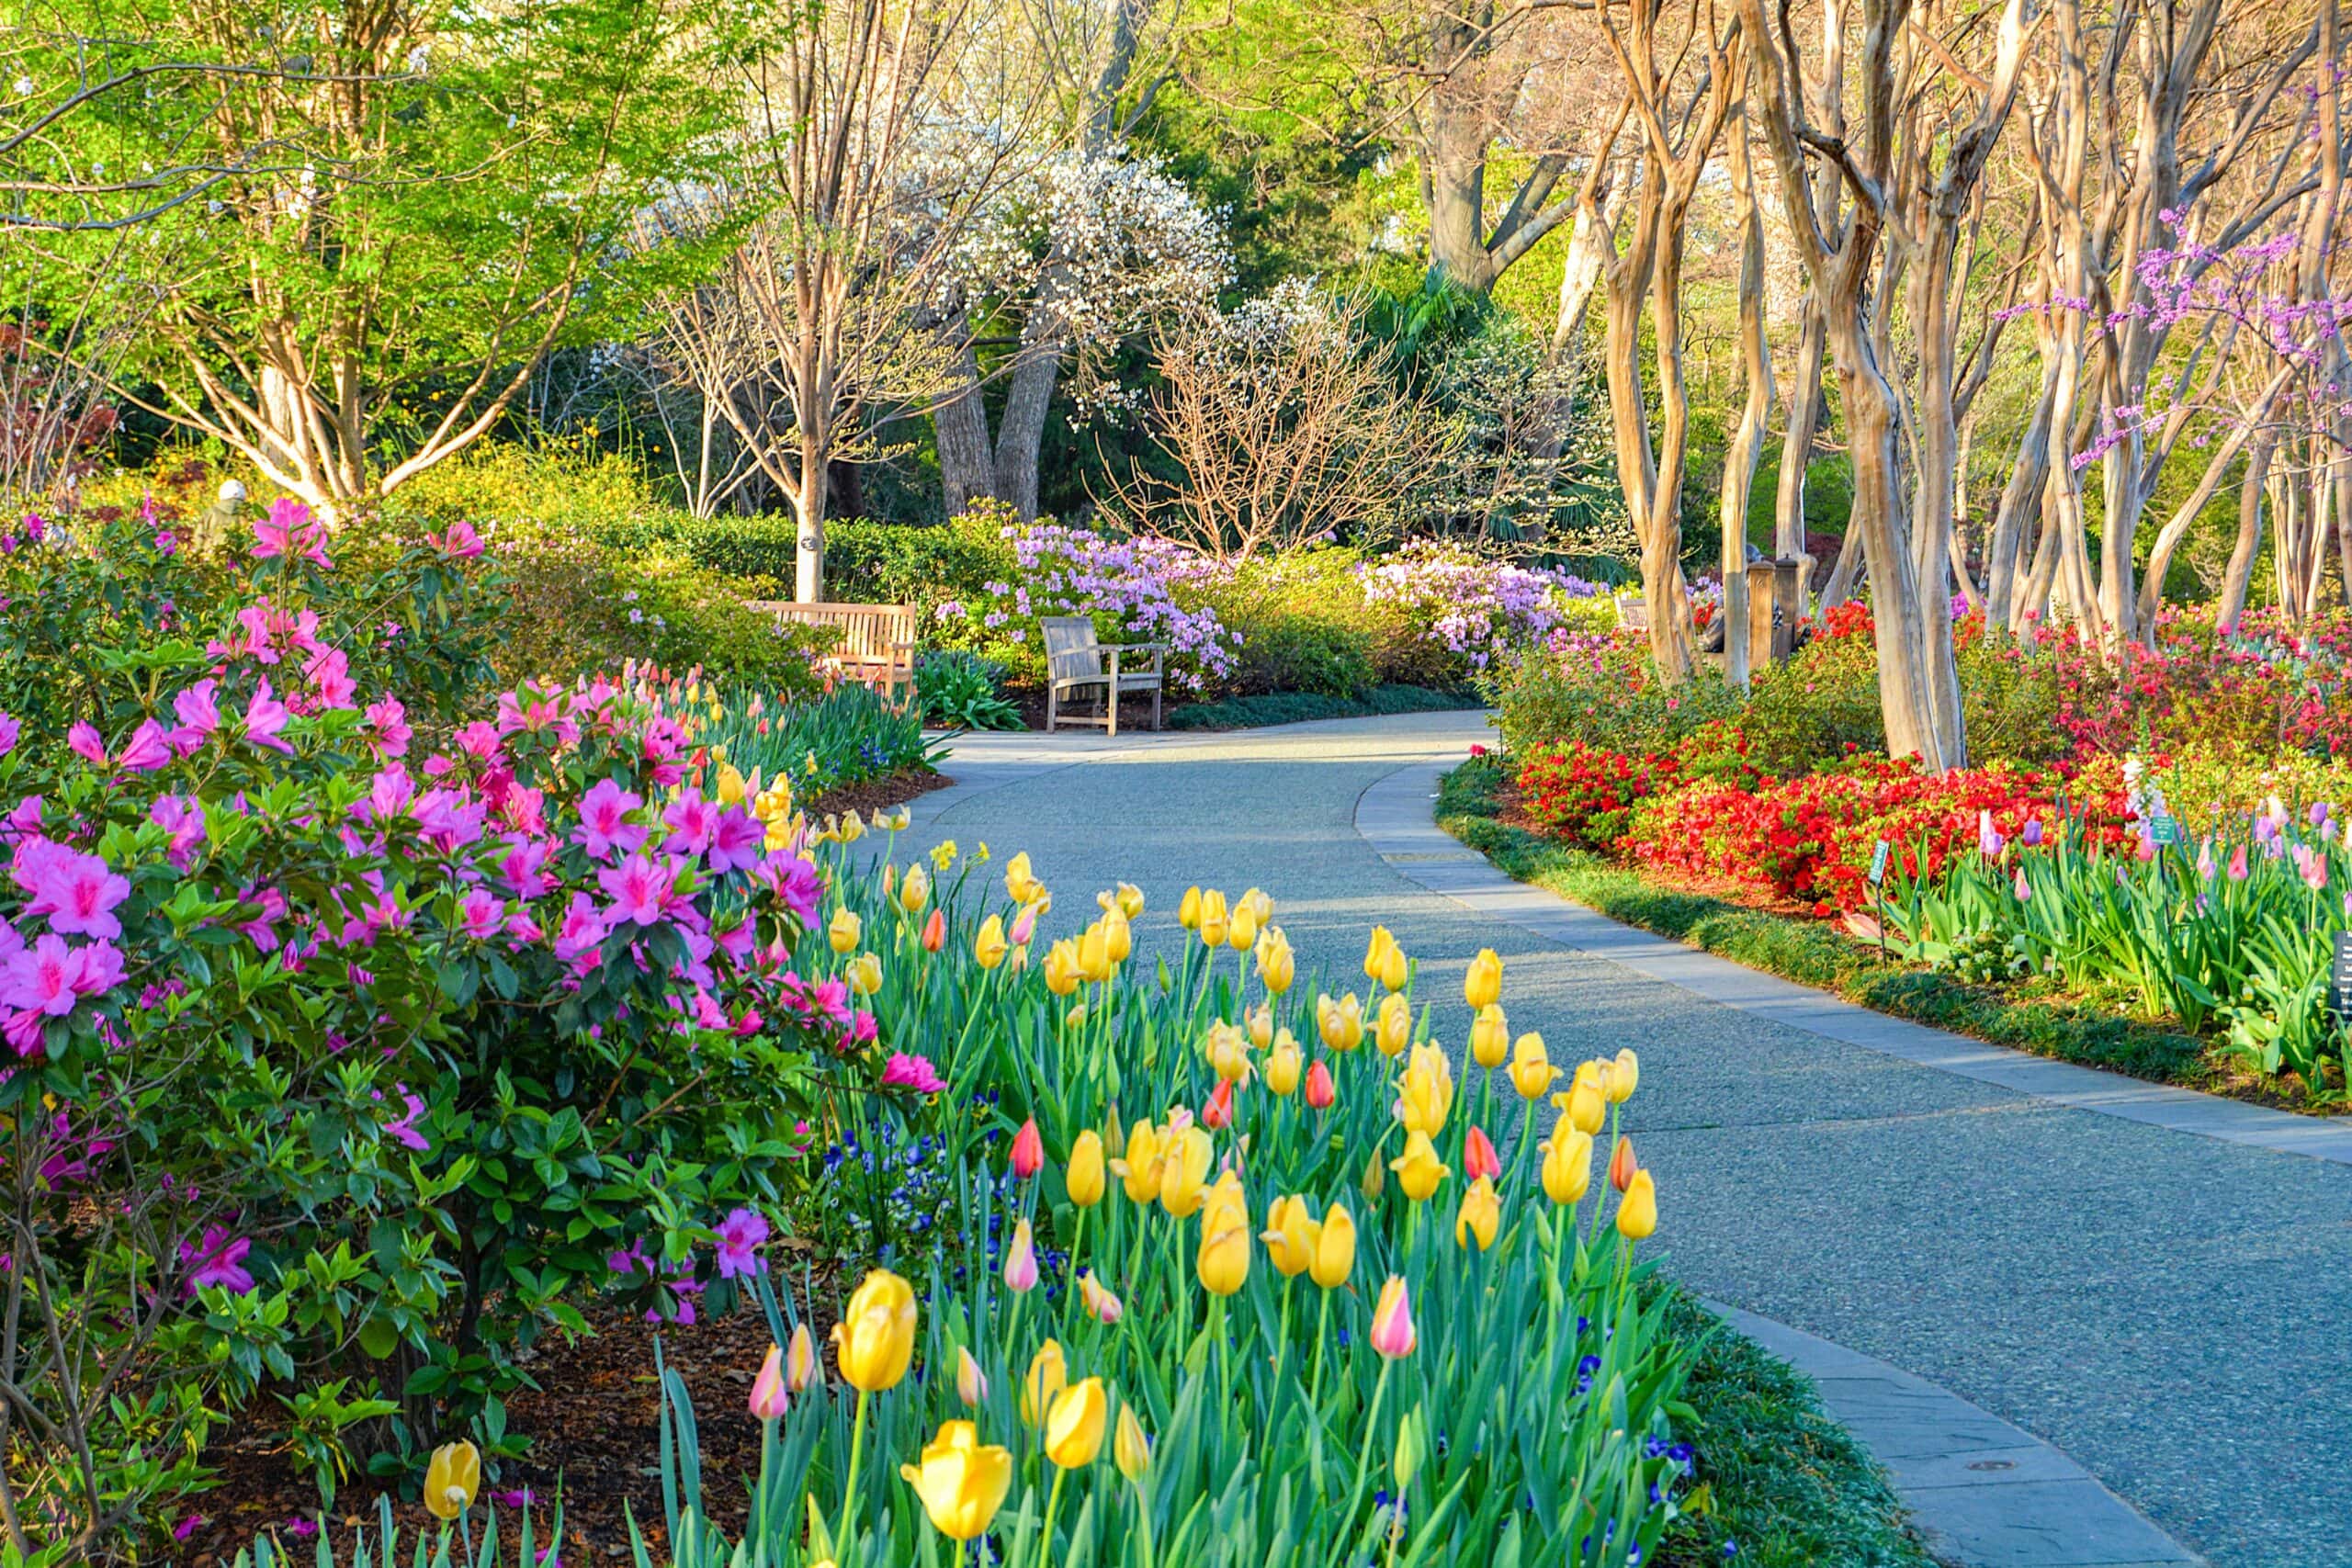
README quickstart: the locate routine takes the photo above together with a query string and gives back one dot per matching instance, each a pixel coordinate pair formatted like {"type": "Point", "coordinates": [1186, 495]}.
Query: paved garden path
{"type": "Point", "coordinates": [2172, 1310]}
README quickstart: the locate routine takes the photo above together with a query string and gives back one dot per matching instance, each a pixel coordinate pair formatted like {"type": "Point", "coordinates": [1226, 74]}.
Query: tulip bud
{"type": "Point", "coordinates": [1372, 1179]}
{"type": "Point", "coordinates": [1482, 987]}
{"type": "Point", "coordinates": [1406, 1463]}
{"type": "Point", "coordinates": [1028, 1150]}
{"type": "Point", "coordinates": [1587, 1106]}
{"type": "Point", "coordinates": [1084, 1175]}
{"type": "Point", "coordinates": [1395, 1028]}
{"type": "Point", "coordinates": [1241, 930]}
{"type": "Point", "coordinates": [1283, 1064]}
{"type": "Point", "coordinates": [1622, 1165]}
{"type": "Point", "coordinates": [1074, 1425]}
{"type": "Point", "coordinates": [1320, 1091]}
{"type": "Point", "coordinates": [1020, 1260]}
{"type": "Point", "coordinates": [1392, 1321]}
{"type": "Point", "coordinates": [1489, 1037]}
{"type": "Point", "coordinates": [845, 929]}
{"type": "Point", "coordinates": [800, 1359]}
{"type": "Point", "coordinates": [1048, 1375]}
{"type": "Point", "coordinates": [934, 932]}
{"type": "Point", "coordinates": [1130, 1449]}
{"type": "Point", "coordinates": [1217, 1114]}
{"type": "Point", "coordinates": [1138, 1172]}
{"type": "Point", "coordinates": [1375, 951]}
{"type": "Point", "coordinates": [1335, 1249]}
{"type": "Point", "coordinates": [971, 1382]}
{"type": "Point", "coordinates": [1118, 938]}
{"type": "Point", "coordinates": [1025, 924]}
{"type": "Point", "coordinates": [989, 947]}
{"type": "Point", "coordinates": [1478, 1156]}
{"type": "Point", "coordinates": [1188, 911]}
{"type": "Point", "coordinates": [1637, 1210]}
{"type": "Point", "coordinates": [770, 1399]}
{"type": "Point", "coordinates": [452, 1477]}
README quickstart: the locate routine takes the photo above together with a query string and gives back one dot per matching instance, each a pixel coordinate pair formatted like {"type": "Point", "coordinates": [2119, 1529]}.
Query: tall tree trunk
{"type": "Point", "coordinates": [2239, 575]}
{"type": "Point", "coordinates": [966, 463]}
{"type": "Point", "coordinates": [1021, 435]}
{"type": "Point", "coordinates": [1747, 440]}
{"type": "Point", "coordinates": [1796, 443]}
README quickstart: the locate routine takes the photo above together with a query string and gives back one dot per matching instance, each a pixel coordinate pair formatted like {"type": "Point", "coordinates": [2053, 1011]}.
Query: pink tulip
{"type": "Point", "coordinates": [1028, 1150]}
{"type": "Point", "coordinates": [1020, 1260]}
{"type": "Point", "coordinates": [1392, 1321]}
{"type": "Point", "coordinates": [770, 1398]}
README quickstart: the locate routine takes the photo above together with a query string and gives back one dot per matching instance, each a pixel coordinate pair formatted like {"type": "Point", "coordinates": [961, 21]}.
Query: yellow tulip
{"type": "Point", "coordinates": [1227, 1050]}
{"type": "Point", "coordinates": [1585, 1103]}
{"type": "Point", "coordinates": [1624, 1075]}
{"type": "Point", "coordinates": [1417, 1170]}
{"type": "Point", "coordinates": [852, 827]}
{"type": "Point", "coordinates": [1479, 1215]}
{"type": "Point", "coordinates": [1061, 968]}
{"type": "Point", "coordinates": [1340, 1022]}
{"type": "Point", "coordinates": [1375, 951]}
{"type": "Point", "coordinates": [1284, 1063]}
{"type": "Point", "coordinates": [730, 784]}
{"type": "Point", "coordinates": [1483, 985]}
{"type": "Point", "coordinates": [1094, 953]}
{"type": "Point", "coordinates": [1224, 1261]}
{"type": "Point", "coordinates": [452, 1477]}
{"type": "Point", "coordinates": [1074, 1424]}
{"type": "Point", "coordinates": [1637, 1209]}
{"type": "Point", "coordinates": [1118, 937]}
{"type": "Point", "coordinates": [1335, 1249]}
{"type": "Point", "coordinates": [962, 1483]}
{"type": "Point", "coordinates": [1127, 899]}
{"type": "Point", "coordinates": [1290, 1235]}
{"type": "Point", "coordinates": [1567, 1162]}
{"type": "Point", "coordinates": [874, 1340]}
{"type": "Point", "coordinates": [1188, 911]}
{"type": "Point", "coordinates": [1276, 965]}
{"type": "Point", "coordinates": [1048, 1375]}
{"type": "Point", "coordinates": [1489, 1037]}
{"type": "Point", "coordinates": [1396, 1030]}
{"type": "Point", "coordinates": [1531, 1071]}
{"type": "Point", "coordinates": [1139, 1172]}
{"type": "Point", "coordinates": [1261, 905]}
{"type": "Point", "coordinates": [1083, 1175]}
{"type": "Point", "coordinates": [1213, 908]}
{"type": "Point", "coordinates": [1260, 1021]}
{"type": "Point", "coordinates": [1425, 1098]}
{"type": "Point", "coordinates": [915, 891]}
{"type": "Point", "coordinates": [1183, 1167]}
{"type": "Point", "coordinates": [1020, 882]}
{"type": "Point", "coordinates": [989, 947]}
{"type": "Point", "coordinates": [1393, 969]}
{"type": "Point", "coordinates": [865, 973]}
{"type": "Point", "coordinates": [1241, 931]}
{"type": "Point", "coordinates": [845, 929]}
{"type": "Point", "coordinates": [800, 1359]}
{"type": "Point", "coordinates": [1130, 1449]}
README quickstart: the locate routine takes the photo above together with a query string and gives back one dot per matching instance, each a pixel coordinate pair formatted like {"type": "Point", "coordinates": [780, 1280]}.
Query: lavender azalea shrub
{"type": "Point", "coordinates": [1477, 609]}
{"type": "Point", "coordinates": [349, 1050]}
{"type": "Point", "coordinates": [1134, 583]}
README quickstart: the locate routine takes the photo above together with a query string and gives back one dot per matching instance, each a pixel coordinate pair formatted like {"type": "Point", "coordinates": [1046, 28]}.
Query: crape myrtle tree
{"type": "Point", "coordinates": [363, 224]}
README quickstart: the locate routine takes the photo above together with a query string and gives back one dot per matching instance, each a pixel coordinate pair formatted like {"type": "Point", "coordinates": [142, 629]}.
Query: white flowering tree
{"type": "Point", "coordinates": [1090, 250]}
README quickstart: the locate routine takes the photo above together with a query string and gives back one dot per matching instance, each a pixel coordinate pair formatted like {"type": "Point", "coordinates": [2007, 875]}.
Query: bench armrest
{"type": "Point", "coordinates": [1130, 647]}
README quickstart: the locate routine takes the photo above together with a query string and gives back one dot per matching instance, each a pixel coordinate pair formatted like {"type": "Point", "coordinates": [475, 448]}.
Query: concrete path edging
{"type": "Point", "coordinates": [1982, 1492]}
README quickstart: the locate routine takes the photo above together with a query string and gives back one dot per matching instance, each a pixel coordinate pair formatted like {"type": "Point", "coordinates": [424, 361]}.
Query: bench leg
{"type": "Point", "coordinates": [1112, 697]}
{"type": "Point", "coordinates": [1053, 708]}
{"type": "Point", "coordinates": [1155, 710]}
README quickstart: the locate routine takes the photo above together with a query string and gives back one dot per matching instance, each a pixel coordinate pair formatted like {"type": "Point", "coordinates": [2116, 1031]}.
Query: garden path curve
{"type": "Point", "coordinates": [2164, 1296]}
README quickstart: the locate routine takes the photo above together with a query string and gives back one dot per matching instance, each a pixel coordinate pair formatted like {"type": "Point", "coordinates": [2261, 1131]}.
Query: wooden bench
{"type": "Point", "coordinates": [1074, 662]}
{"type": "Point", "coordinates": [1632, 613]}
{"type": "Point", "coordinates": [877, 641]}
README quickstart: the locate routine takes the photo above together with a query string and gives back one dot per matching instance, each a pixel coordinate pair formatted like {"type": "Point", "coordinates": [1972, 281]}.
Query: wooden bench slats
{"type": "Point", "coordinates": [877, 641]}
{"type": "Point", "coordinates": [1074, 656]}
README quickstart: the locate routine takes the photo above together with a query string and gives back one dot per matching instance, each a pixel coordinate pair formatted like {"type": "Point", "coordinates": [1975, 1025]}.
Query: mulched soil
{"type": "Point", "coordinates": [874, 795]}
{"type": "Point", "coordinates": [595, 1424]}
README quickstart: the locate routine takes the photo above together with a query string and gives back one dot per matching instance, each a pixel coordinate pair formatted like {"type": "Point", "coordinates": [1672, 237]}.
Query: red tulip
{"type": "Point", "coordinates": [934, 932]}
{"type": "Point", "coordinates": [1622, 1165]}
{"type": "Point", "coordinates": [1478, 1157]}
{"type": "Point", "coordinates": [1319, 1090]}
{"type": "Point", "coordinates": [1217, 1114]}
{"type": "Point", "coordinates": [1028, 1150]}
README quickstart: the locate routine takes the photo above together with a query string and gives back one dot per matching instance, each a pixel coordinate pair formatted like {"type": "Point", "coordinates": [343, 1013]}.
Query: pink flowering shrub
{"type": "Point", "coordinates": [357, 1030]}
{"type": "Point", "coordinates": [1130, 586]}
{"type": "Point", "coordinates": [1474, 609]}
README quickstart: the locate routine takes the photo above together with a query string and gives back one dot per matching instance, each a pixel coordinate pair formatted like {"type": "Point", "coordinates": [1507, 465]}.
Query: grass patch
{"type": "Point", "coordinates": [1294, 708]}
{"type": "Point", "coordinates": [1787, 1486]}
{"type": "Point", "coordinates": [1816, 953]}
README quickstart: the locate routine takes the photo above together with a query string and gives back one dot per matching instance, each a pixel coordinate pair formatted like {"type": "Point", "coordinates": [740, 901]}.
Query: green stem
{"type": "Point", "coordinates": [1053, 1505]}
{"type": "Point", "coordinates": [1363, 1455]}
{"type": "Point", "coordinates": [849, 1492]}
{"type": "Point", "coordinates": [1322, 1333]}
{"type": "Point", "coordinates": [1143, 1522]}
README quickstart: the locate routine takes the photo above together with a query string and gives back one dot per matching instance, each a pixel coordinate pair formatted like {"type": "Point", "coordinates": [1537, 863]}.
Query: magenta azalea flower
{"type": "Point", "coordinates": [640, 889]}
{"type": "Point", "coordinates": [916, 1073]}
{"type": "Point", "coordinates": [740, 1236]}
{"type": "Point", "coordinates": [219, 1260]}
{"type": "Point", "coordinates": [77, 892]}
{"type": "Point", "coordinates": [603, 824]}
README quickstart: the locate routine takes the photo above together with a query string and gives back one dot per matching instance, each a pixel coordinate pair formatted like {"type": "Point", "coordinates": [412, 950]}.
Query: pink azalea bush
{"type": "Point", "coordinates": [355, 1025]}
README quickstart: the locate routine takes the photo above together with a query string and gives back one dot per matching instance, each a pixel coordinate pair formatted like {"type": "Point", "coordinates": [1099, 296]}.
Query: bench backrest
{"type": "Point", "coordinates": [1072, 650]}
{"type": "Point", "coordinates": [869, 633]}
{"type": "Point", "coordinates": [1632, 613]}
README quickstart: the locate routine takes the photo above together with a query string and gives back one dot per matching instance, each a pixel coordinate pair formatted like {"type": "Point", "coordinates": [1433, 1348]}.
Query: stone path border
{"type": "Point", "coordinates": [1983, 1493]}
{"type": "Point", "coordinates": [1393, 816]}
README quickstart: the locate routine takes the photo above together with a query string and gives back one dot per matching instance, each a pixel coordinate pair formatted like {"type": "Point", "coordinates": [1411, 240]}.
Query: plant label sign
{"type": "Point", "coordinates": [1878, 862]}
{"type": "Point", "coordinates": [2339, 994]}
{"type": "Point", "coordinates": [2165, 830]}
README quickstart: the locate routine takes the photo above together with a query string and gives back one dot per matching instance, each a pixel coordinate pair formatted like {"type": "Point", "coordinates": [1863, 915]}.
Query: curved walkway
{"type": "Point", "coordinates": [2170, 1305]}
